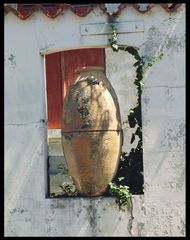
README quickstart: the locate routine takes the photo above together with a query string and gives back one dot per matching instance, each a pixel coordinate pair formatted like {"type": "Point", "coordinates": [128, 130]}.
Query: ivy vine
{"type": "Point", "coordinates": [118, 187]}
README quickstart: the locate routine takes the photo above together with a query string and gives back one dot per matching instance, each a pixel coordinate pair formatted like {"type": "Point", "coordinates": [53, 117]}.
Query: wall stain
{"type": "Point", "coordinates": [79, 210]}
{"type": "Point", "coordinates": [174, 139]}
{"type": "Point", "coordinates": [18, 210]}
{"type": "Point", "coordinates": [93, 217]}
{"type": "Point", "coordinates": [169, 94]}
{"type": "Point", "coordinates": [183, 228]}
{"type": "Point", "coordinates": [140, 228]}
{"type": "Point", "coordinates": [12, 60]}
{"type": "Point", "coordinates": [146, 100]}
{"type": "Point", "coordinates": [27, 220]}
{"type": "Point", "coordinates": [160, 40]}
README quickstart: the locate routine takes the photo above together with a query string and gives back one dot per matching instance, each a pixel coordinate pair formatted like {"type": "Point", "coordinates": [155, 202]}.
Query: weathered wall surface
{"type": "Point", "coordinates": [161, 210]}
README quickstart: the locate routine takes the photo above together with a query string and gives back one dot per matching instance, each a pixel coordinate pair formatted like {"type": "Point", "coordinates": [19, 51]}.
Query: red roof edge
{"type": "Point", "coordinates": [53, 13]}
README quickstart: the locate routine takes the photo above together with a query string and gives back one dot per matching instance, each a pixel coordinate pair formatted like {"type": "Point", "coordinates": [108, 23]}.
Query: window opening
{"type": "Point", "coordinates": [60, 69]}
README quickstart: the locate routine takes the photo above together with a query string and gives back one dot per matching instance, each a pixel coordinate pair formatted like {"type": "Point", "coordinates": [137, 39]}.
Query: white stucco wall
{"type": "Point", "coordinates": [161, 210]}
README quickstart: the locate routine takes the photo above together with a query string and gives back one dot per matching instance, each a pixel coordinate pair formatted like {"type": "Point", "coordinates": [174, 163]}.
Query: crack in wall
{"type": "Point", "coordinates": [130, 224]}
{"type": "Point", "coordinates": [181, 86]}
{"type": "Point", "coordinates": [22, 124]}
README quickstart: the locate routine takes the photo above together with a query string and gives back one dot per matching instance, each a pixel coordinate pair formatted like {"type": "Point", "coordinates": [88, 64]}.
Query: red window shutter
{"type": "Point", "coordinates": [54, 89]}
{"type": "Point", "coordinates": [74, 59]}
{"type": "Point", "coordinates": [60, 72]}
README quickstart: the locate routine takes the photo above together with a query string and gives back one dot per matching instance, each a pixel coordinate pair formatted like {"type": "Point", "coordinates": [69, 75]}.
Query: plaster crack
{"type": "Point", "coordinates": [180, 86]}
{"type": "Point", "coordinates": [130, 224]}
{"type": "Point", "coordinates": [22, 124]}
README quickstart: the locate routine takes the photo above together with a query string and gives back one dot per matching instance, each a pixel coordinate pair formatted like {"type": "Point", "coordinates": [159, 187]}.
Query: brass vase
{"type": "Point", "coordinates": [91, 131]}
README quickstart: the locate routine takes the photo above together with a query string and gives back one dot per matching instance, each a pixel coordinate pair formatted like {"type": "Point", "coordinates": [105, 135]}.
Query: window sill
{"type": "Point", "coordinates": [54, 143]}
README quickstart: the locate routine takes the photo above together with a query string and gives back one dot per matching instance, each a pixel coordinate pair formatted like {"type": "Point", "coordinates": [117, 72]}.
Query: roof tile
{"type": "Point", "coordinates": [53, 12]}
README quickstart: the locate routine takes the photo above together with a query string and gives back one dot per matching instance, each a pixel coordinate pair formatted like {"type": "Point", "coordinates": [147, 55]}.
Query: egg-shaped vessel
{"type": "Point", "coordinates": [91, 131]}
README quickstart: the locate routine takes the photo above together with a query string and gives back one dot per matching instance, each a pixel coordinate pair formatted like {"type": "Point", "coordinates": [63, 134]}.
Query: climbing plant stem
{"type": "Point", "coordinates": [121, 191]}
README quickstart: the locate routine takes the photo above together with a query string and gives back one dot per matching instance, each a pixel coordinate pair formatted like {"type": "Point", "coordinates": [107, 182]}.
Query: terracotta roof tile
{"type": "Point", "coordinates": [54, 11]}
